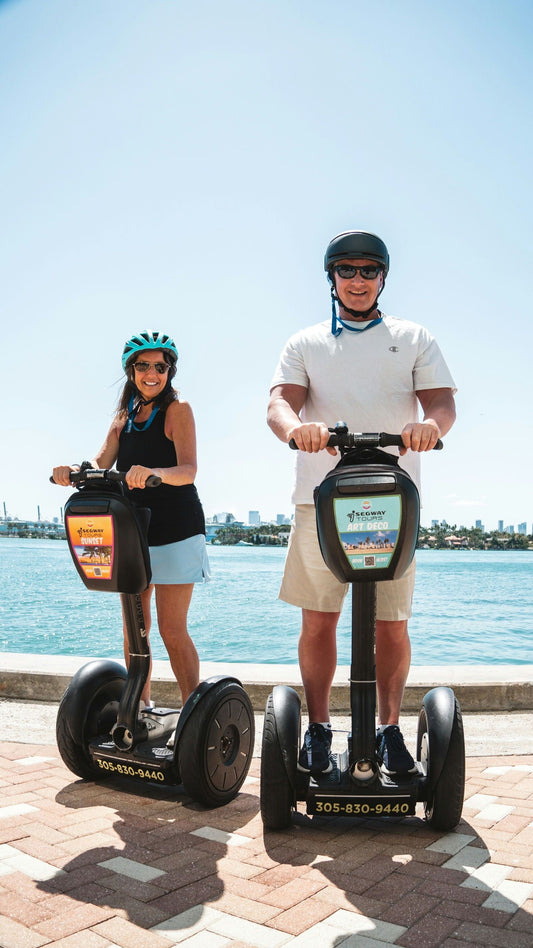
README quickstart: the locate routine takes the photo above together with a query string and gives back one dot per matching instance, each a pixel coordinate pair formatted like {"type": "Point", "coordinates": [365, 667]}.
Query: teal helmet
{"type": "Point", "coordinates": [146, 340]}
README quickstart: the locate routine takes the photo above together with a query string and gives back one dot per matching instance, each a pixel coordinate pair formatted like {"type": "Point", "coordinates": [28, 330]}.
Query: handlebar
{"type": "Point", "coordinates": [346, 440]}
{"type": "Point", "coordinates": [91, 474]}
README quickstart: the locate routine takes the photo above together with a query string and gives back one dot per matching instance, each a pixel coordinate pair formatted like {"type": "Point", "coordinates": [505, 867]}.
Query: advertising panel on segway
{"type": "Point", "coordinates": [367, 517]}
{"type": "Point", "coordinates": [101, 729]}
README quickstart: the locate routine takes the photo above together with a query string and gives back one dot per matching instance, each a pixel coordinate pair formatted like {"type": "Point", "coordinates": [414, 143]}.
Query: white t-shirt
{"type": "Point", "coordinates": [367, 379]}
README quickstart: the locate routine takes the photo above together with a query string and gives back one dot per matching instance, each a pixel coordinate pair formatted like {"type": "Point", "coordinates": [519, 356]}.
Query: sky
{"type": "Point", "coordinates": [178, 166]}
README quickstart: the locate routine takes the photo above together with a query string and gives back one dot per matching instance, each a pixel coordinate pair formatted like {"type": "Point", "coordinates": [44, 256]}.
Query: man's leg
{"type": "Point", "coordinates": [317, 652]}
{"type": "Point", "coordinates": [393, 660]}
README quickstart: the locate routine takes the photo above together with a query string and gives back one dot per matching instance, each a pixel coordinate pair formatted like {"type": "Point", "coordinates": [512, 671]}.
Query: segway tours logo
{"type": "Point", "coordinates": [368, 529]}
{"type": "Point", "coordinates": [91, 540]}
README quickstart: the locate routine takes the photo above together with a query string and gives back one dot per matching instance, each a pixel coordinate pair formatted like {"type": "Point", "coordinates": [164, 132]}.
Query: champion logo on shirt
{"type": "Point", "coordinates": [393, 349]}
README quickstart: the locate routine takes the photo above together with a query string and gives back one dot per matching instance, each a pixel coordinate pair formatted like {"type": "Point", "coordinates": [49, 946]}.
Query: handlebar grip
{"type": "Point", "coordinates": [387, 440]}
{"type": "Point", "coordinates": [74, 476]}
{"type": "Point", "coordinates": [152, 481]}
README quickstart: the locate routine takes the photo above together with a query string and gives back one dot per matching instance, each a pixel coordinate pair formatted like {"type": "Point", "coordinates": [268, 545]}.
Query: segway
{"type": "Point", "coordinates": [101, 729]}
{"type": "Point", "coordinates": [367, 513]}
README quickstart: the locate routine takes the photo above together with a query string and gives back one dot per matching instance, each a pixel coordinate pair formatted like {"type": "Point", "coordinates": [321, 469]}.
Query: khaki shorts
{"type": "Point", "coordinates": [308, 583]}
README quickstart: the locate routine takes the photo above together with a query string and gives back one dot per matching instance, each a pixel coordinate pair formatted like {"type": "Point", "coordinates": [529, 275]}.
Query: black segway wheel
{"type": "Point", "coordinates": [279, 749]}
{"type": "Point", "coordinates": [216, 745]}
{"type": "Point", "coordinates": [441, 751]}
{"type": "Point", "coordinates": [88, 708]}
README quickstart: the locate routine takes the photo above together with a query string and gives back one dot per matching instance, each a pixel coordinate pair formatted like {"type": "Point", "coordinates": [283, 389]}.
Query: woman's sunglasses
{"type": "Point", "coordinates": [160, 367]}
{"type": "Point", "coordinates": [347, 272]}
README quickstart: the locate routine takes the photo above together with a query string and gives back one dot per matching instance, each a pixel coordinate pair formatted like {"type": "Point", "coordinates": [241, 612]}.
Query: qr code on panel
{"type": "Point", "coordinates": [370, 560]}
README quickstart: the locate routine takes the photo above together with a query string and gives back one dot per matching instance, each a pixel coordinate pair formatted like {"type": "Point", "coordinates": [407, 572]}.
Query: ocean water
{"type": "Point", "coordinates": [470, 608]}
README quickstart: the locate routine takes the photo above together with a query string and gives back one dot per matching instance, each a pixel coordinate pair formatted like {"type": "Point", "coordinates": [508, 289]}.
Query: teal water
{"type": "Point", "coordinates": [470, 608]}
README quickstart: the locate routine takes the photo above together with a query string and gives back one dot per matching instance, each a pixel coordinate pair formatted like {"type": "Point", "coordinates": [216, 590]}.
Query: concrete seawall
{"type": "Point", "coordinates": [481, 688]}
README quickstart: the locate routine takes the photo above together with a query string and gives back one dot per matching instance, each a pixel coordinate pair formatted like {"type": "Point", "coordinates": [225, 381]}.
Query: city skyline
{"type": "Point", "coordinates": [283, 519]}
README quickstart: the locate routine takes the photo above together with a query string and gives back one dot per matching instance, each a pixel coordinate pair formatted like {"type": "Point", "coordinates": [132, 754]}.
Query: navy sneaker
{"type": "Point", "coordinates": [315, 755]}
{"type": "Point", "coordinates": [392, 752]}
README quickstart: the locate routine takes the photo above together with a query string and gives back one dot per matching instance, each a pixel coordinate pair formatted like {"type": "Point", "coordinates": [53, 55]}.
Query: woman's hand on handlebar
{"type": "Point", "coordinates": [311, 437]}
{"type": "Point", "coordinates": [61, 474]}
{"type": "Point", "coordinates": [420, 436]}
{"type": "Point", "coordinates": [137, 476]}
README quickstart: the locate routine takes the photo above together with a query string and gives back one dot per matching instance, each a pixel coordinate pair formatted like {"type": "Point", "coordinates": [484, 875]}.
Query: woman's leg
{"type": "Point", "coordinates": [172, 603]}
{"type": "Point", "coordinates": [145, 599]}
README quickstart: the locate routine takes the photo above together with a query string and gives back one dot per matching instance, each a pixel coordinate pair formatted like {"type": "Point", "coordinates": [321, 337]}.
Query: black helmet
{"type": "Point", "coordinates": [356, 244]}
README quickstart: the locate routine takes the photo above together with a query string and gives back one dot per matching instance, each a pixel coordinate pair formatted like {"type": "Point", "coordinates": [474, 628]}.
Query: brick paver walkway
{"type": "Point", "coordinates": [86, 865]}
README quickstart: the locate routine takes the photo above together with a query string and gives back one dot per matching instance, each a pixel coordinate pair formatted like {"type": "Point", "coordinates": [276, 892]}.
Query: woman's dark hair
{"type": "Point", "coordinates": [167, 396]}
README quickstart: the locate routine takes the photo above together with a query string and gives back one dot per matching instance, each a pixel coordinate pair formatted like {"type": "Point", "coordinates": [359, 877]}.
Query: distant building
{"type": "Point", "coordinates": [253, 518]}
{"type": "Point", "coordinates": [434, 524]}
{"type": "Point", "coordinates": [509, 528]}
{"type": "Point", "coordinates": [223, 517]}
{"type": "Point", "coordinates": [500, 526]}
{"type": "Point", "coordinates": [480, 526]}
{"type": "Point", "coordinates": [211, 529]}
{"type": "Point", "coordinates": [282, 519]}
{"type": "Point", "coordinates": [13, 527]}
{"type": "Point", "coordinates": [522, 528]}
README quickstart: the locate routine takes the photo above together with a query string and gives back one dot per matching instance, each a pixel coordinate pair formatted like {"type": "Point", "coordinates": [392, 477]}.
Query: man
{"type": "Point", "coordinates": [372, 371]}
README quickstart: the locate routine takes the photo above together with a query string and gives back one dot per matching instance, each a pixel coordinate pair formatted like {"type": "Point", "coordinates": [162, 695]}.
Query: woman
{"type": "Point", "coordinates": [153, 432]}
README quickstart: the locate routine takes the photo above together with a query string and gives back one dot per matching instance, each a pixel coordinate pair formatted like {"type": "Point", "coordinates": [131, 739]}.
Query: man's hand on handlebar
{"type": "Point", "coordinates": [312, 436]}
{"type": "Point", "coordinates": [420, 436]}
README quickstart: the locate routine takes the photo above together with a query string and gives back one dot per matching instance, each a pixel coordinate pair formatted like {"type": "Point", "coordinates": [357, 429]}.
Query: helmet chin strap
{"type": "Point", "coordinates": [148, 401]}
{"type": "Point", "coordinates": [135, 406]}
{"type": "Point", "coordinates": [336, 318]}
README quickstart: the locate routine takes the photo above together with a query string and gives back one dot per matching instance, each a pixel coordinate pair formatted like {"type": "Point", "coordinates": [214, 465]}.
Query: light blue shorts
{"type": "Point", "coordinates": [179, 563]}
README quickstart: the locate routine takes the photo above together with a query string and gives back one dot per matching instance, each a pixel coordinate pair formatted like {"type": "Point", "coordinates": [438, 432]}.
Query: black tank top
{"type": "Point", "coordinates": [176, 512]}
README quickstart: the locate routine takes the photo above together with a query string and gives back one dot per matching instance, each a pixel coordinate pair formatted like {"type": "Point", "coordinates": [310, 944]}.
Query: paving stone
{"type": "Point", "coordinates": [256, 936]}
{"type": "Point", "coordinates": [509, 896]}
{"type": "Point", "coordinates": [428, 932]}
{"type": "Point", "coordinates": [126, 935]}
{"type": "Point", "coordinates": [300, 917]}
{"type": "Point", "coordinates": [494, 938]}
{"type": "Point", "coordinates": [74, 920]}
{"type": "Point", "coordinates": [131, 868]}
{"type": "Point", "coordinates": [15, 935]}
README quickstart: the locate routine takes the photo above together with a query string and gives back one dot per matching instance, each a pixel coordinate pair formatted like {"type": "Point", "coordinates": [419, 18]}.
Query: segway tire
{"type": "Point", "coordinates": [444, 804]}
{"type": "Point", "coordinates": [88, 708]}
{"type": "Point", "coordinates": [216, 745]}
{"type": "Point", "coordinates": [276, 794]}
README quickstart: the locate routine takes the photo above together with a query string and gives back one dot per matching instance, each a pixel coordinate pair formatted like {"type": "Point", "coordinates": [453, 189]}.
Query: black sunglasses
{"type": "Point", "coordinates": [347, 272]}
{"type": "Point", "coordinates": [160, 367]}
